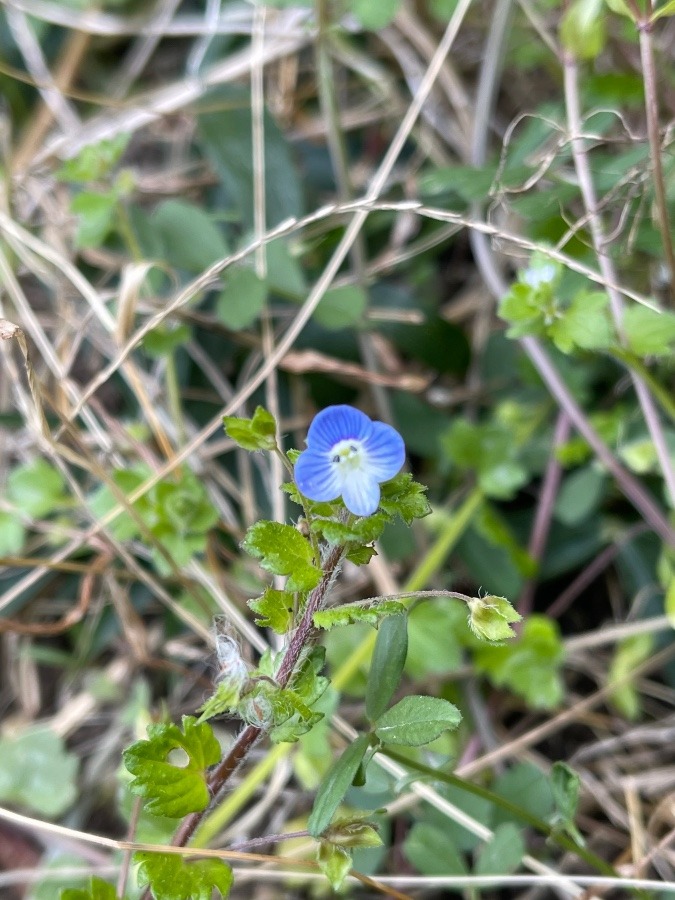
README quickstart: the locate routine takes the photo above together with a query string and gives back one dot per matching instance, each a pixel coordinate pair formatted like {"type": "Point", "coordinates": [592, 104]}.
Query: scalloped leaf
{"type": "Point", "coordinates": [275, 610]}
{"type": "Point", "coordinates": [172, 878]}
{"type": "Point", "coordinates": [283, 551]}
{"type": "Point", "coordinates": [256, 433]}
{"type": "Point", "coordinates": [168, 789]}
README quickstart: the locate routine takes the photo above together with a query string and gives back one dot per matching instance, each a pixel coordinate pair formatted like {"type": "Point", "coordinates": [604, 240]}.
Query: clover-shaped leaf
{"type": "Point", "coordinates": [172, 878]}
{"type": "Point", "coordinates": [283, 551]}
{"type": "Point", "coordinates": [172, 789]}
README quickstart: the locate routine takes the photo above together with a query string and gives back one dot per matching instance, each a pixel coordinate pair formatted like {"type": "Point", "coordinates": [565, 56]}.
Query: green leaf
{"type": "Point", "coordinates": [168, 789]}
{"type": "Point", "coordinates": [353, 833]}
{"type": "Point", "coordinates": [362, 531]}
{"type": "Point", "coordinates": [335, 784]}
{"type": "Point", "coordinates": [526, 786]}
{"type": "Point", "coordinates": [12, 534]}
{"type": "Point", "coordinates": [565, 784]}
{"type": "Point", "coordinates": [375, 16]}
{"type": "Point", "coordinates": [369, 612]}
{"type": "Point", "coordinates": [582, 29]}
{"type": "Point", "coordinates": [95, 217]}
{"type": "Point", "coordinates": [37, 772]}
{"type": "Point", "coordinates": [172, 878]}
{"type": "Point", "coordinates": [224, 699]}
{"type": "Point", "coordinates": [489, 449]}
{"type": "Point", "coordinates": [283, 551]}
{"type": "Point", "coordinates": [584, 324]}
{"type": "Point", "coordinates": [668, 9]}
{"type": "Point", "coordinates": [97, 890]}
{"type": "Point", "coordinates": [163, 341]}
{"type": "Point", "coordinates": [489, 618]}
{"type": "Point", "coordinates": [94, 161]}
{"type": "Point", "coordinates": [417, 720]}
{"type": "Point", "coordinates": [669, 600]}
{"type": "Point", "coordinates": [503, 853]}
{"type": "Point", "coordinates": [429, 850]}
{"type": "Point", "coordinates": [242, 300]}
{"type": "Point", "coordinates": [257, 433]}
{"type": "Point", "coordinates": [37, 488]}
{"type": "Point", "coordinates": [190, 238]}
{"type": "Point", "coordinates": [341, 307]}
{"type": "Point", "coordinates": [405, 498]}
{"type": "Point", "coordinates": [275, 609]}
{"type": "Point", "coordinates": [579, 495]}
{"type": "Point", "coordinates": [386, 666]}
{"type": "Point", "coordinates": [226, 138]}
{"type": "Point", "coordinates": [529, 666]}
{"type": "Point", "coordinates": [335, 863]}
{"type": "Point", "coordinates": [629, 653]}
{"type": "Point", "coordinates": [649, 333]}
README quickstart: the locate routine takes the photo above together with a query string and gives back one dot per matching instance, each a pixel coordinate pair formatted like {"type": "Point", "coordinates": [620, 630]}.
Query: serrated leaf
{"type": "Point", "coordinates": [361, 556]}
{"type": "Point", "coordinates": [37, 772]}
{"type": "Point", "coordinates": [405, 498]}
{"type": "Point", "coordinates": [275, 609]}
{"type": "Point", "coordinates": [335, 863]}
{"type": "Point", "coordinates": [584, 324]}
{"type": "Point", "coordinates": [335, 784]}
{"type": "Point", "coordinates": [367, 612]}
{"type": "Point", "coordinates": [172, 878]}
{"type": "Point", "coordinates": [649, 333]}
{"type": "Point", "coordinates": [502, 854]}
{"type": "Point", "coordinates": [36, 488]}
{"type": "Point", "coordinates": [256, 433]}
{"type": "Point", "coordinates": [168, 789]}
{"type": "Point", "coordinates": [283, 551]}
{"type": "Point", "coordinates": [386, 666]}
{"type": "Point", "coordinates": [97, 890]}
{"type": "Point", "coordinates": [417, 720]}
{"type": "Point", "coordinates": [364, 531]}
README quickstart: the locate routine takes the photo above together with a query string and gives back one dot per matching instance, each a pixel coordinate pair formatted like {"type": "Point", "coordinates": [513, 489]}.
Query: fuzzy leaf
{"type": "Point", "coordinates": [335, 784]}
{"type": "Point", "coordinates": [363, 531]}
{"type": "Point", "coordinates": [275, 609]}
{"type": "Point", "coordinates": [405, 498]}
{"type": "Point", "coordinates": [335, 863]}
{"type": "Point", "coordinates": [256, 433]}
{"type": "Point", "coordinates": [168, 789]}
{"type": "Point", "coordinates": [489, 618]}
{"type": "Point", "coordinates": [369, 613]}
{"type": "Point", "coordinates": [172, 878]}
{"type": "Point", "coordinates": [353, 833]}
{"type": "Point", "coordinates": [224, 699]}
{"type": "Point", "coordinates": [283, 551]}
{"type": "Point", "coordinates": [417, 720]}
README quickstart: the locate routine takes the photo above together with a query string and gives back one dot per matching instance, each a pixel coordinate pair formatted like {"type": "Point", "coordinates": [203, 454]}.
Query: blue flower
{"type": "Point", "coordinates": [348, 455]}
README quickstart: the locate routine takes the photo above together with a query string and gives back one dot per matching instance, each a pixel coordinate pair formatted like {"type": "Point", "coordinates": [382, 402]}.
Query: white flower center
{"type": "Point", "coordinates": [347, 456]}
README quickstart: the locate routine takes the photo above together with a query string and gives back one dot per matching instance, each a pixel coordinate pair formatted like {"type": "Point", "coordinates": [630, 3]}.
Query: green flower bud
{"type": "Point", "coordinates": [489, 618]}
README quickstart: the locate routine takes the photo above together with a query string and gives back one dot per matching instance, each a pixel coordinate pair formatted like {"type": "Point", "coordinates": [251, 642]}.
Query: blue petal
{"type": "Point", "coordinates": [316, 477]}
{"type": "Point", "coordinates": [361, 493]}
{"type": "Point", "coordinates": [384, 451]}
{"type": "Point", "coordinates": [335, 424]}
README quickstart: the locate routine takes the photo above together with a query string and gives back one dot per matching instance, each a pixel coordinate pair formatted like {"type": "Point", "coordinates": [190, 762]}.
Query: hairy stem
{"type": "Point", "coordinates": [251, 734]}
{"type": "Point", "coordinates": [583, 170]}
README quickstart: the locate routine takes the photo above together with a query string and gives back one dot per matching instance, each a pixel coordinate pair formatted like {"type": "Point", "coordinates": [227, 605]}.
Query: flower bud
{"type": "Point", "coordinates": [489, 618]}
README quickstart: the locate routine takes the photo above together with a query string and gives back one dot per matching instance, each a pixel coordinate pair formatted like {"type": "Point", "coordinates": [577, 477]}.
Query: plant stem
{"type": "Point", "coordinates": [652, 114]}
{"type": "Point", "coordinates": [563, 840]}
{"type": "Point", "coordinates": [251, 734]}
{"type": "Point", "coordinates": [606, 264]}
